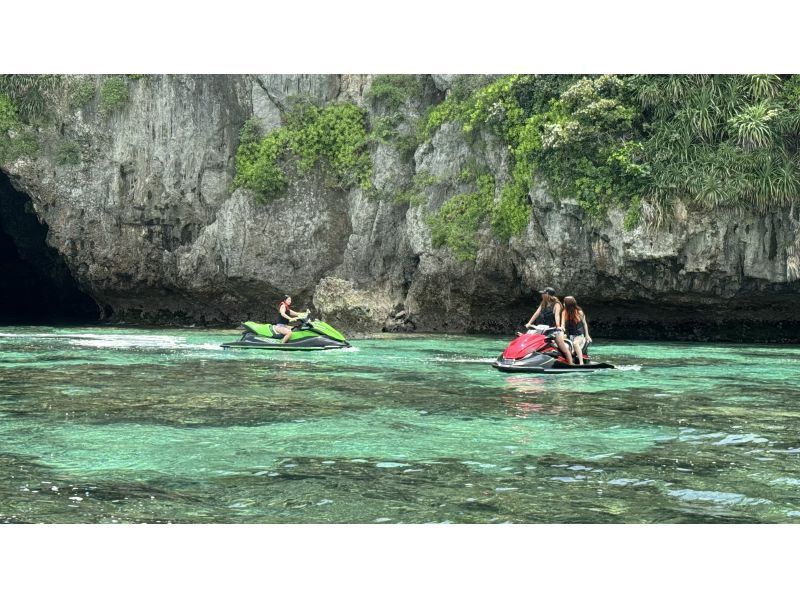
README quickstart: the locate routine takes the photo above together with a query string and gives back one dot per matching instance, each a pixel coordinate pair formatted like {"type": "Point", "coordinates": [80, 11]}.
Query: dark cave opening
{"type": "Point", "coordinates": [36, 286]}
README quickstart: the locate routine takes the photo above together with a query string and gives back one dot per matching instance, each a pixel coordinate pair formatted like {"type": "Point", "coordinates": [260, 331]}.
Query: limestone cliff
{"type": "Point", "coordinates": [149, 227]}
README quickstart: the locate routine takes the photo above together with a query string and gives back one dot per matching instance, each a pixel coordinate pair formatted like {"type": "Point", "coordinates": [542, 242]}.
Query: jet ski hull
{"type": "Point", "coordinates": [536, 353]}
{"type": "Point", "coordinates": [548, 366]}
{"type": "Point", "coordinates": [311, 335]}
{"type": "Point", "coordinates": [310, 343]}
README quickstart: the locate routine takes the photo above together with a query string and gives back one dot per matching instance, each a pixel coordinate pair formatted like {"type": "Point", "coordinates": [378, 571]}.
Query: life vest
{"type": "Point", "coordinates": [281, 318]}
{"type": "Point", "coordinates": [547, 316]}
{"type": "Point", "coordinates": [575, 328]}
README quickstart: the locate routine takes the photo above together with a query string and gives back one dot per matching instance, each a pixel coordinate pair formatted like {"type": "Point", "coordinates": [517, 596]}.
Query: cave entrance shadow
{"type": "Point", "coordinates": [36, 286]}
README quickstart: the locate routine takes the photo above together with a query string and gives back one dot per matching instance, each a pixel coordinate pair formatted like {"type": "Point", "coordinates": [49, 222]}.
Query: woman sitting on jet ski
{"type": "Point", "coordinates": [577, 326]}
{"type": "Point", "coordinates": [285, 319]}
{"type": "Point", "coordinates": [550, 312]}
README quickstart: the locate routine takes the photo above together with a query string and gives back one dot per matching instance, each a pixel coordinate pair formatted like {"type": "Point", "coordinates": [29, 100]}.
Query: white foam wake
{"type": "Point", "coordinates": [465, 359]}
{"type": "Point", "coordinates": [138, 341]}
{"type": "Point", "coordinates": [120, 341]}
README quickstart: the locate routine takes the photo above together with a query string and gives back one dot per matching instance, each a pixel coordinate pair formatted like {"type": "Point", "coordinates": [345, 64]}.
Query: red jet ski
{"type": "Point", "coordinates": [537, 352]}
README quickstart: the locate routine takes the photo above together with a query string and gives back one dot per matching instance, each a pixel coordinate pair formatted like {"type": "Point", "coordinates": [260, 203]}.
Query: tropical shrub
{"type": "Point", "coordinates": [392, 91]}
{"type": "Point", "coordinates": [113, 94]}
{"type": "Point", "coordinates": [8, 114]}
{"type": "Point", "coordinates": [82, 92]}
{"type": "Point", "coordinates": [458, 220]}
{"type": "Point", "coordinates": [334, 136]}
{"type": "Point", "coordinates": [14, 141]}
{"type": "Point", "coordinates": [709, 140]}
{"type": "Point", "coordinates": [722, 140]}
{"type": "Point", "coordinates": [31, 94]}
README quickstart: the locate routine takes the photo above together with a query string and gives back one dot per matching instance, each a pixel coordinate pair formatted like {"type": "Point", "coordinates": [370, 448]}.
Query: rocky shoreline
{"type": "Point", "coordinates": [148, 227]}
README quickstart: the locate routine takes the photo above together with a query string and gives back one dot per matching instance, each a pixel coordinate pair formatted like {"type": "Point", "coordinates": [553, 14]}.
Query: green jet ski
{"type": "Point", "coordinates": [311, 335]}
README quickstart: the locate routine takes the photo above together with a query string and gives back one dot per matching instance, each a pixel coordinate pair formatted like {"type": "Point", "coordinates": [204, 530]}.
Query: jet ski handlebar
{"type": "Point", "coordinates": [542, 329]}
{"type": "Point", "coordinates": [304, 318]}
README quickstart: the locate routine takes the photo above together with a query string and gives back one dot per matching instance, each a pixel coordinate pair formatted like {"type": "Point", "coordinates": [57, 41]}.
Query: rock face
{"type": "Point", "coordinates": [150, 228]}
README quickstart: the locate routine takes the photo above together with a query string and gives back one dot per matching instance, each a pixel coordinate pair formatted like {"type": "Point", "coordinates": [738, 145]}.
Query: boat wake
{"type": "Point", "coordinates": [465, 359]}
{"type": "Point", "coordinates": [129, 341]}
{"type": "Point", "coordinates": [121, 341]}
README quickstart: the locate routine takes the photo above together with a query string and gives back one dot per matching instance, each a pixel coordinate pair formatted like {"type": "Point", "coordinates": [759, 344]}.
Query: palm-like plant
{"type": "Point", "coordinates": [711, 192]}
{"type": "Point", "coordinates": [752, 127]}
{"type": "Point", "coordinates": [675, 87]}
{"type": "Point", "coordinates": [788, 125]}
{"type": "Point", "coordinates": [763, 87]}
{"type": "Point", "coordinates": [650, 93]}
{"type": "Point", "coordinates": [786, 181]}
{"type": "Point", "coordinates": [762, 182]}
{"type": "Point", "coordinates": [703, 112]}
{"type": "Point", "coordinates": [722, 141]}
{"type": "Point", "coordinates": [30, 93]}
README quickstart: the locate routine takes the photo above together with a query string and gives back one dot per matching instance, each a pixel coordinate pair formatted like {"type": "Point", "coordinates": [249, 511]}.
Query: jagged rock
{"type": "Point", "coordinates": [148, 226]}
{"type": "Point", "coordinates": [348, 308]}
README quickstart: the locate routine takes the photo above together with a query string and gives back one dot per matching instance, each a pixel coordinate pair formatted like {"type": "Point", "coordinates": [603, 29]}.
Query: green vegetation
{"type": "Point", "coordinates": [30, 94]}
{"type": "Point", "coordinates": [384, 128]}
{"type": "Point", "coordinates": [81, 92]}
{"type": "Point", "coordinates": [463, 86]}
{"type": "Point", "coordinates": [632, 215]}
{"type": "Point", "coordinates": [69, 152]}
{"type": "Point", "coordinates": [257, 158]}
{"type": "Point", "coordinates": [457, 223]}
{"type": "Point", "coordinates": [113, 94]}
{"type": "Point", "coordinates": [709, 140]}
{"type": "Point", "coordinates": [414, 195]}
{"type": "Point", "coordinates": [471, 170]}
{"type": "Point", "coordinates": [8, 114]}
{"type": "Point", "coordinates": [510, 215]}
{"type": "Point", "coordinates": [447, 111]}
{"type": "Point", "coordinates": [24, 144]}
{"type": "Point", "coordinates": [392, 91]}
{"type": "Point", "coordinates": [722, 140]}
{"type": "Point", "coordinates": [14, 141]}
{"type": "Point", "coordinates": [582, 145]}
{"type": "Point", "coordinates": [335, 136]}
{"type": "Point", "coordinates": [406, 144]}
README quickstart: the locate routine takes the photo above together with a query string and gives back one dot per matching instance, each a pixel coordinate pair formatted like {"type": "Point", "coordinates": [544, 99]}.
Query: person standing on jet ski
{"type": "Point", "coordinates": [551, 313]}
{"type": "Point", "coordinates": [577, 326]}
{"type": "Point", "coordinates": [285, 319]}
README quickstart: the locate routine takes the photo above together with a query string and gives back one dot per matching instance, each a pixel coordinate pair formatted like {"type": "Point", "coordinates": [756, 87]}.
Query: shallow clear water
{"type": "Point", "coordinates": [131, 425]}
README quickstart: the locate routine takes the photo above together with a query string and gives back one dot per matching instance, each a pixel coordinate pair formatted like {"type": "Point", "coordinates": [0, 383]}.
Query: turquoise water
{"type": "Point", "coordinates": [131, 425]}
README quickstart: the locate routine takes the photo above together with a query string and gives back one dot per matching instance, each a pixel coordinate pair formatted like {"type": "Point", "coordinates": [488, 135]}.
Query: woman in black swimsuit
{"type": "Point", "coordinates": [286, 318]}
{"type": "Point", "coordinates": [550, 312]}
{"type": "Point", "coordinates": [577, 327]}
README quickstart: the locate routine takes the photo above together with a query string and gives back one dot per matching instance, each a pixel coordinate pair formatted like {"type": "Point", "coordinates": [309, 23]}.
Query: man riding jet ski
{"type": "Point", "coordinates": [537, 352]}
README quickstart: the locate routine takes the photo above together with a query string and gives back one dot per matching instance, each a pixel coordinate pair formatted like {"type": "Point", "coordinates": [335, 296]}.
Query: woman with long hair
{"type": "Point", "coordinates": [286, 319]}
{"type": "Point", "coordinates": [550, 312]}
{"type": "Point", "coordinates": [576, 325]}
